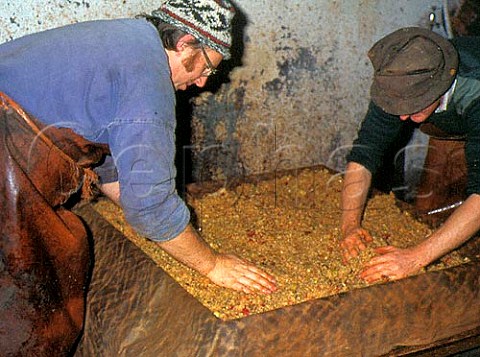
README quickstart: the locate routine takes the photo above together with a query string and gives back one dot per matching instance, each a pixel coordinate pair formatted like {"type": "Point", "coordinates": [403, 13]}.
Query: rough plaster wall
{"type": "Point", "coordinates": [20, 17]}
{"type": "Point", "coordinates": [296, 95]}
{"type": "Point", "coordinates": [302, 88]}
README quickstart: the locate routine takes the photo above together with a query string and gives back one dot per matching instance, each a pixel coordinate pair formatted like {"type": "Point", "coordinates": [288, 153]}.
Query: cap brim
{"type": "Point", "coordinates": [407, 104]}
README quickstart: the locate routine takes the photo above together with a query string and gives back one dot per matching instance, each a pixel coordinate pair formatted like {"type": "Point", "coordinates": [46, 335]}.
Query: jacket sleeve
{"type": "Point", "coordinates": [144, 158]}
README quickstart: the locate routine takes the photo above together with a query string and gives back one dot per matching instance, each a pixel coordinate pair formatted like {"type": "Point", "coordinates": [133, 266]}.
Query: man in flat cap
{"type": "Point", "coordinates": [422, 77]}
{"type": "Point", "coordinates": [98, 93]}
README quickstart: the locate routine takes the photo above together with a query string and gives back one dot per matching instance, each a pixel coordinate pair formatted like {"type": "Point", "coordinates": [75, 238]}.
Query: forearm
{"type": "Point", "coordinates": [354, 195]}
{"type": "Point", "coordinates": [190, 249]}
{"type": "Point", "coordinates": [459, 227]}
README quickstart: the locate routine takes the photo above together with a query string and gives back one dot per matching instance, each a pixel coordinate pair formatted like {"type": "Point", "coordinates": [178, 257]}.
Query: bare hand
{"type": "Point", "coordinates": [237, 274]}
{"type": "Point", "coordinates": [354, 242]}
{"type": "Point", "coordinates": [392, 264]}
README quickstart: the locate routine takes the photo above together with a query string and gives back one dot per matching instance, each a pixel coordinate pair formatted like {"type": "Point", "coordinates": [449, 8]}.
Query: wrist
{"type": "Point", "coordinates": [347, 228]}
{"type": "Point", "coordinates": [209, 264]}
{"type": "Point", "coordinates": [421, 256]}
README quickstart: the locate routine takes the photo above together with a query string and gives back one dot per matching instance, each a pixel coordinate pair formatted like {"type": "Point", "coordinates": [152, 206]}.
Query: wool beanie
{"type": "Point", "coordinates": [209, 21]}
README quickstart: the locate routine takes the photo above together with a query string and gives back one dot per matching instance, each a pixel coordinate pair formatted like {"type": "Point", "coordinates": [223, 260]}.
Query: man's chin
{"type": "Point", "coordinates": [418, 120]}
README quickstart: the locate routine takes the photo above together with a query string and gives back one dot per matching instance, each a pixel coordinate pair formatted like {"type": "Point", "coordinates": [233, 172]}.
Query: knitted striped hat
{"type": "Point", "coordinates": [209, 21]}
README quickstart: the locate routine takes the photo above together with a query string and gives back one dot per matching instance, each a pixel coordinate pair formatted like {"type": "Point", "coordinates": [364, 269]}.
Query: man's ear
{"type": "Point", "coordinates": [184, 42]}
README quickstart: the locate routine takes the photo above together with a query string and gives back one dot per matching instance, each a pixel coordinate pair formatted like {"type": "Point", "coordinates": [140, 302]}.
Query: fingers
{"type": "Point", "coordinates": [378, 272]}
{"type": "Point", "coordinates": [379, 267]}
{"type": "Point", "coordinates": [382, 258]}
{"type": "Point", "coordinates": [351, 249]}
{"type": "Point", "coordinates": [366, 236]}
{"type": "Point", "coordinates": [385, 249]}
{"type": "Point", "coordinates": [250, 282]}
{"type": "Point", "coordinates": [240, 275]}
{"type": "Point", "coordinates": [354, 243]}
{"type": "Point", "coordinates": [392, 264]}
{"type": "Point", "coordinates": [253, 279]}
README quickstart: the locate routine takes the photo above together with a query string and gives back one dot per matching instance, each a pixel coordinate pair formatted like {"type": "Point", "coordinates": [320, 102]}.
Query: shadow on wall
{"type": "Point", "coordinates": [185, 110]}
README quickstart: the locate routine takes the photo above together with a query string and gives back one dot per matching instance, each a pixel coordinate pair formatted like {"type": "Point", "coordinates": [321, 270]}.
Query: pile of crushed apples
{"type": "Point", "coordinates": [289, 227]}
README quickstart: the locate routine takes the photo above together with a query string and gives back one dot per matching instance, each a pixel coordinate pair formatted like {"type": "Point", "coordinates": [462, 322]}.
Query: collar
{"type": "Point", "coordinates": [445, 99]}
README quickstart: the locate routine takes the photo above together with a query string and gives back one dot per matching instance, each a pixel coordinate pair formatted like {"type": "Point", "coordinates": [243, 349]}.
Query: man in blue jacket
{"type": "Point", "coordinates": [422, 77]}
{"type": "Point", "coordinates": [113, 82]}
{"type": "Point", "coordinates": [70, 94]}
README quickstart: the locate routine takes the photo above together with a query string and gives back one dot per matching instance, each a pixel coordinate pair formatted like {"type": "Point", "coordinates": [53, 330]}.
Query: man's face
{"type": "Point", "coordinates": [422, 115]}
{"type": "Point", "coordinates": [192, 67]}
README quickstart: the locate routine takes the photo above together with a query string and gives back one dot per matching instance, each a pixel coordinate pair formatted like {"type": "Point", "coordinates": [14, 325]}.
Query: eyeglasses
{"type": "Point", "coordinates": [210, 68]}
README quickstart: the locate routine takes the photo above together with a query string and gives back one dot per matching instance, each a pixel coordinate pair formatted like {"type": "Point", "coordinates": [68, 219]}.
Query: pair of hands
{"type": "Point", "coordinates": [391, 263]}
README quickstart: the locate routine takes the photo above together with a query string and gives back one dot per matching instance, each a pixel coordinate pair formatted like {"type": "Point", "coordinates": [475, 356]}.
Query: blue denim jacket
{"type": "Point", "coordinates": [109, 81]}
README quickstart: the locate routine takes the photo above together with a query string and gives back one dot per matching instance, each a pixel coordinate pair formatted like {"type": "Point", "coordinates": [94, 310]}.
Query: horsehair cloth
{"type": "Point", "coordinates": [86, 176]}
{"type": "Point", "coordinates": [44, 248]}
